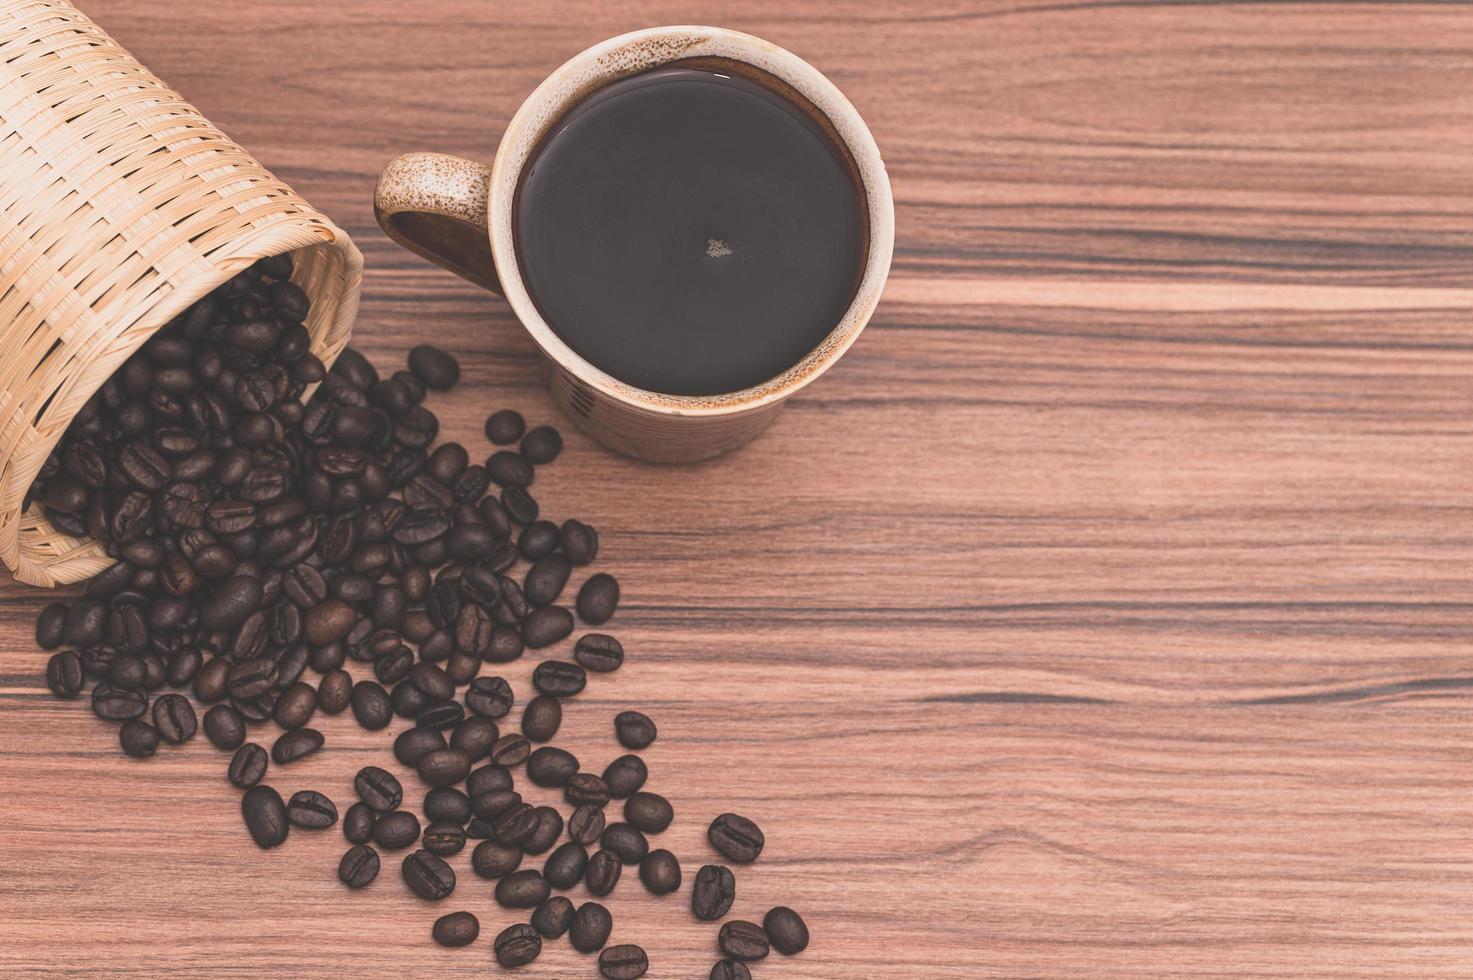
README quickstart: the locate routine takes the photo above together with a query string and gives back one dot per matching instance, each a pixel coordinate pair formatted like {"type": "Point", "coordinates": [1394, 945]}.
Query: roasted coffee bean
{"type": "Point", "coordinates": [295, 706]}
{"type": "Point", "coordinates": [50, 626]}
{"type": "Point", "coordinates": [394, 667]}
{"type": "Point", "coordinates": [736, 837]}
{"type": "Point", "coordinates": [493, 803]}
{"type": "Point", "coordinates": [519, 505]}
{"type": "Point", "coordinates": [744, 941]}
{"type": "Point", "coordinates": [546, 625]}
{"type": "Point", "coordinates": [247, 766]}
{"type": "Point", "coordinates": [786, 930]}
{"type": "Point", "coordinates": [489, 778]}
{"type": "Point", "coordinates": [470, 542]}
{"type": "Point", "coordinates": [517, 945]}
{"type": "Point", "coordinates": [456, 929]}
{"type": "Point", "coordinates": [599, 652]}
{"type": "Point", "coordinates": [625, 841]}
{"type": "Point", "coordinates": [224, 727]}
{"type": "Point", "coordinates": [495, 517]}
{"type": "Point", "coordinates": [730, 970]}
{"type": "Point", "coordinates": [138, 739]}
{"type": "Point", "coordinates": [256, 709]}
{"type": "Point", "coordinates": [86, 623]}
{"type": "Point", "coordinates": [330, 659]}
{"type": "Point", "coordinates": [155, 674]}
{"type": "Point", "coordinates": [250, 678]}
{"type": "Point", "coordinates": [437, 369]}
{"type": "Point", "coordinates": [371, 705]}
{"type": "Point", "coordinates": [603, 873]}
{"type": "Point", "coordinates": [541, 718]}
{"type": "Point", "coordinates": [578, 541]}
{"type": "Point", "coordinates": [413, 744]}
{"type": "Point", "coordinates": [649, 813]}
{"type": "Point", "coordinates": [590, 928]}
{"type": "Point", "coordinates": [489, 696]}
{"type": "Point", "coordinates": [445, 804]}
{"type": "Point", "coordinates": [475, 736]}
{"type": "Point", "coordinates": [388, 606]}
{"type": "Point", "coordinates": [586, 824]}
{"type": "Point", "coordinates": [334, 691]}
{"type": "Point", "coordinates": [549, 829]}
{"type": "Point", "coordinates": [431, 679]}
{"type": "Point", "coordinates": [359, 866]}
{"type": "Point", "coordinates": [522, 890]}
{"type": "Point", "coordinates": [440, 715]}
{"type": "Point", "coordinates": [627, 962]}
{"type": "Point", "coordinates": [511, 750]}
{"type": "Point", "coordinates": [442, 767]}
{"type": "Point", "coordinates": [542, 444]}
{"type": "Point", "coordinates": [517, 824]}
{"type": "Point", "coordinates": [634, 729]}
{"type": "Point", "coordinates": [506, 645]}
{"type": "Point", "coordinates": [97, 661]}
{"type": "Point", "coordinates": [473, 630]}
{"type": "Point", "coordinates": [444, 839]}
{"type": "Point", "coordinates": [447, 462]}
{"type": "Point", "coordinates": [144, 467]}
{"type": "Point", "coordinates": [114, 704]}
{"type": "Point", "coordinates": [265, 816]}
{"type": "Point", "coordinates": [660, 872]}
{"type": "Point", "coordinates": [493, 859]}
{"type": "Point", "coordinates": [64, 674]}
{"type": "Point", "coordinates": [231, 603]}
{"type": "Point", "coordinates": [553, 917]}
{"type": "Point", "coordinates": [355, 368]}
{"type": "Point", "coordinates": [598, 598]}
{"type": "Point", "coordinates": [559, 679]}
{"type": "Point", "coordinates": [304, 585]}
{"type": "Point", "coordinates": [428, 877]}
{"type": "Point", "coordinates": [329, 621]}
{"type": "Point", "coordinates": [509, 469]}
{"type": "Point", "coordinates": [396, 830]}
{"type": "Point", "coordinates": [378, 788]}
{"type": "Point", "coordinates": [625, 775]}
{"type": "Point", "coordinates": [184, 663]}
{"type": "Point", "coordinates": [713, 892]}
{"type": "Point", "coordinates": [296, 744]}
{"type": "Point", "coordinates": [565, 866]}
{"type": "Point", "coordinates": [545, 579]}
{"type": "Point", "coordinates": [311, 810]}
{"type": "Point", "coordinates": [212, 680]}
{"type": "Point", "coordinates": [358, 823]}
{"type": "Point", "coordinates": [174, 718]}
{"type": "Point", "coordinates": [538, 540]}
{"type": "Point", "coordinates": [550, 766]}
{"type": "Point", "coordinates": [128, 628]}
{"type": "Point", "coordinates": [504, 426]}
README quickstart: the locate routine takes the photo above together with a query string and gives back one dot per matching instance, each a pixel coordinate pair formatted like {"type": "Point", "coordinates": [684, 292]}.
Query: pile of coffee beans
{"type": "Point", "coordinates": [259, 536]}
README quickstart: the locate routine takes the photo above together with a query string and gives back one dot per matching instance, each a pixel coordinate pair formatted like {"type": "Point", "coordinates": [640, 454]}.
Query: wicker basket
{"type": "Point", "coordinates": [120, 205]}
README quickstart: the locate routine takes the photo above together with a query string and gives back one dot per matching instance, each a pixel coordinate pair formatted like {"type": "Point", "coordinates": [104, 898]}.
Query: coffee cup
{"type": "Point", "coordinates": [820, 288]}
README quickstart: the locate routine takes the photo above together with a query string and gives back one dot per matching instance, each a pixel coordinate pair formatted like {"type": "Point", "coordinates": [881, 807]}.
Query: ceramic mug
{"type": "Point", "coordinates": [458, 214]}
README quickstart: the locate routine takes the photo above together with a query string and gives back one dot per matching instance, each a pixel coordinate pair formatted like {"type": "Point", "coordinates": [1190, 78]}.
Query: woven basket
{"type": "Point", "coordinates": [120, 205]}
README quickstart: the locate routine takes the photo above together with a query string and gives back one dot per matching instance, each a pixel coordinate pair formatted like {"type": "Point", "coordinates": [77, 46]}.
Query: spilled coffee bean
{"type": "Point", "coordinates": [260, 539]}
{"type": "Point", "coordinates": [265, 816]}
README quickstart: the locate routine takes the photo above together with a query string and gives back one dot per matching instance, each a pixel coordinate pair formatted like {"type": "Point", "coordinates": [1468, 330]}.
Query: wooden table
{"type": "Point", "coordinates": [1107, 612]}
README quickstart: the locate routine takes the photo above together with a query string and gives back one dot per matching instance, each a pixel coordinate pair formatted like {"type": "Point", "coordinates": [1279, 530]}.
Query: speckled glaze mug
{"type": "Point", "coordinates": [459, 214]}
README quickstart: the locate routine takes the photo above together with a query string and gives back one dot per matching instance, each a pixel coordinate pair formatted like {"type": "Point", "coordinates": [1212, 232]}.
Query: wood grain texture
{"type": "Point", "coordinates": [1106, 612]}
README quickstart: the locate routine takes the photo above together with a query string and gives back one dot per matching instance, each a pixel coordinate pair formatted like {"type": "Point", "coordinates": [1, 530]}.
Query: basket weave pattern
{"type": "Point", "coordinates": [120, 205]}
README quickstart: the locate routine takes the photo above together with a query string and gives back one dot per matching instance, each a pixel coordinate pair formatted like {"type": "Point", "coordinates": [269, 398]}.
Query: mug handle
{"type": "Point", "coordinates": [434, 205]}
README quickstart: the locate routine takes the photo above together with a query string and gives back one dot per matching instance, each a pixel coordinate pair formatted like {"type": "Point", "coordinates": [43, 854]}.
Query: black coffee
{"type": "Point", "coordinates": [689, 232]}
